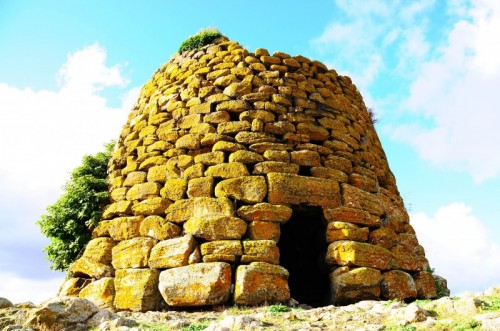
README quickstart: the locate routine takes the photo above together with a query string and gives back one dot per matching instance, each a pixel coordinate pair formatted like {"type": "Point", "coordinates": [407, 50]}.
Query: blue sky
{"type": "Point", "coordinates": [71, 70]}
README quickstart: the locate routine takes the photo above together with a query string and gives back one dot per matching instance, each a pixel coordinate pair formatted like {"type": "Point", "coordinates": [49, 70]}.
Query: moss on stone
{"type": "Point", "coordinates": [202, 38]}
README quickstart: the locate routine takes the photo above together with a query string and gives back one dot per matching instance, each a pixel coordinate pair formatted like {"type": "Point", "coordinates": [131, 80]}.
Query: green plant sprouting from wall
{"type": "Point", "coordinates": [202, 38]}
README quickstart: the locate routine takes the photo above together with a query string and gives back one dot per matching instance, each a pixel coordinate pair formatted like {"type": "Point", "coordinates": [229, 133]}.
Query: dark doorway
{"type": "Point", "coordinates": [302, 252]}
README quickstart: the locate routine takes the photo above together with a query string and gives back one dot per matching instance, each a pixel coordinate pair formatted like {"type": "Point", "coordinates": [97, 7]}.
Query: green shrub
{"type": "Point", "coordinates": [202, 38]}
{"type": "Point", "coordinates": [68, 222]}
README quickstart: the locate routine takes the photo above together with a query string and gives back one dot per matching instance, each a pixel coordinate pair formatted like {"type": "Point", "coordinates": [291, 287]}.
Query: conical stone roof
{"type": "Point", "coordinates": [248, 178]}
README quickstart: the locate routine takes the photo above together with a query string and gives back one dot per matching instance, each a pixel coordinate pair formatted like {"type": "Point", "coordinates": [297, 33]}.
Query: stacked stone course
{"type": "Point", "coordinates": [220, 148]}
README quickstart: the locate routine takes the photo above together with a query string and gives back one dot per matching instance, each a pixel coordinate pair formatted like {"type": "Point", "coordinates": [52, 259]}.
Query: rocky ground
{"type": "Point", "coordinates": [468, 312]}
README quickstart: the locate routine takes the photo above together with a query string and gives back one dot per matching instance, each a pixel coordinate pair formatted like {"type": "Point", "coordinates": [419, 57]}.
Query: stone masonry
{"type": "Point", "coordinates": [224, 150]}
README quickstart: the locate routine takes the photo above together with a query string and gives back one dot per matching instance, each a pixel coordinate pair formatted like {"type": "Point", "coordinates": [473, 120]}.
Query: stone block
{"type": "Point", "coordinates": [260, 251]}
{"type": "Point", "coordinates": [118, 208]}
{"type": "Point", "coordinates": [324, 172]}
{"type": "Point", "coordinates": [101, 230]}
{"type": "Point", "coordinates": [101, 292]}
{"type": "Point", "coordinates": [351, 215]}
{"type": "Point", "coordinates": [172, 253]}
{"type": "Point", "coordinates": [261, 283]}
{"type": "Point", "coordinates": [258, 230]}
{"type": "Point", "coordinates": [89, 268]}
{"type": "Point", "coordinates": [249, 189]}
{"type": "Point", "coordinates": [384, 237]}
{"type": "Point", "coordinates": [339, 163]}
{"type": "Point", "coordinates": [72, 287]}
{"type": "Point", "coordinates": [267, 167]}
{"type": "Point", "coordinates": [123, 228]}
{"type": "Point", "coordinates": [151, 206]}
{"type": "Point", "coordinates": [345, 231]}
{"type": "Point", "coordinates": [295, 189]}
{"type": "Point", "coordinates": [235, 90]}
{"type": "Point", "coordinates": [353, 253]}
{"type": "Point", "coordinates": [99, 250]}
{"type": "Point", "coordinates": [200, 187]}
{"type": "Point", "coordinates": [398, 285]}
{"type": "Point", "coordinates": [132, 253]}
{"type": "Point", "coordinates": [210, 159]}
{"type": "Point", "coordinates": [174, 189]}
{"type": "Point", "coordinates": [306, 158]}
{"type": "Point", "coordinates": [228, 247]}
{"type": "Point", "coordinates": [189, 141]}
{"type": "Point", "coordinates": [244, 137]}
{"type": "Point", "coordinates": [353, 197]}
{"type": "Point", "coordinates": [180, 211]}
{"type": "Point", "coordinates": [227, 170]}
{"type": "Point", "coordinates": [137, 290]}
{"type": "Point", "coordinates": [277, 155]}
{"type": "Point", "coordinates": [245, 157]}
{"type": "Point", "coordinates": [194, 171]}
{"type": "Point", "coordinates": [143, 191]}
{"type": "Point", "coordinates": [227, 146]}
{"type": "Point", "coordinates": [134, 177]}
{"type": "Point", "coordinates": [265, 212]}
{"type": "Point", "coordinates": [216, 227]}
{"type": "Point", "coordinates": [157, 174]}
{"type": "Point", "coordinates": [425, 285]}
{"type": "Point", "coordinates": [158, 228]}
{"type": "Point", "coordinates": [352, 285]}
{"type": "Point", "coordinates": [200, 284]}
{"type": "Point", "coordinates": [233, 127]}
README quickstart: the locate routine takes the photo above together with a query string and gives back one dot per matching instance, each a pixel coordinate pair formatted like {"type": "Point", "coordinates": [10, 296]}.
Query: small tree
{"type": "Point", "coordinates": [69, 221]}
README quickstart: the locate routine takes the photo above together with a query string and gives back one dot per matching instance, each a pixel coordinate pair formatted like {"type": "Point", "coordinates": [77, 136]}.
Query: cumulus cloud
{"type": "Point", "coordinates": [459, 247]}
{"type": "Point", "coordinates": [43, 136]}
{"type": "Point", "coordinates": [456, 97]}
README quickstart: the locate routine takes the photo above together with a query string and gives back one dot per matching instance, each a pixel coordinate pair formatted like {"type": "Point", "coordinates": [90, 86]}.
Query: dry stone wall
{"type": "Point", "coordinates": [221, 148]}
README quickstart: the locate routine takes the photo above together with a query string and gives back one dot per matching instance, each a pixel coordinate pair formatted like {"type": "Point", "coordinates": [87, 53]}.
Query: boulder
{"type": "Point", "coordinates": [99, 250]}
{"type": "Point", "coordinates": [88, 268]}
{"type": "Point", "coordinates": [351, 285]}
{"type": "Point", "coordinates": [158, 228]}
{"type": "Point", "coordinates": [353, 253]}
{"type": "Point", "coordinates": [216, 227]}
{"type": "Point", "coordinates": [123, 228]}
{"type": "Point", "coordinates": [137, 289]}
{"type": "Point", "coordinates": [265, 212]}
{"type": "Point", "coordinates": [248, 189]}
{"type": "Point", "coordinates": [199, 284]}
{"type": "Point", "coordinates": [101, 292]}
{"type": "Point", "coordinates": [132, 253]}
{"type": "Point", "coordinates": [73, 286]}
{"type": "Point", "coordinates": [259, 283]}
{"type": "Point", "coordinates": [398, 285]}
{"type": "Point", "coordinates": [172, 253]}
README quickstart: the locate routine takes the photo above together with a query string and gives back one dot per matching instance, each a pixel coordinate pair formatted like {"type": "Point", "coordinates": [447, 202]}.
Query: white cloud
{"type": "Point", "coordinates": [43, 136]}
{"type": "Point", "coordinates": [458, 93]}
{"type": "Point", "coordinates": [18, 289]}
{"type": "Point", "coordinates": [459, 247]}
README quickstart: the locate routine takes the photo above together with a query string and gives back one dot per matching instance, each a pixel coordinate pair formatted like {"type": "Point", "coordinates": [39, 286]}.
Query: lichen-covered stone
{"type": "Point", "coordinates": [260, 251]}
{"type": "Point", "coordinates": [267, 167]}
{"type": "Point", "coordinates": [143, 191]}
{"type": "Point", "coordinates": [72, 287]}
{"type": "Point", "coordinates": [99, 250]}
{"type": "Point", "coordinates": [200, 284]}
{"type": "Point", "coordinates": [182, 210]}
{"type": "Point", "coordinates": [355, 198]}
{"type": "Point", "coordinates": [259, 230]}
{"type": "Point", "coordinates": [265, 212]}
{"type": "Point", "coordinates": [123, 228]}
{"type": "Point", "coordinates": [137, 289]}
{"type": "Point", "coordinates": [351, 215]}
{"type": "Point", "coordinates": [425, 285]}
{"type": "Point", "coordinates": [227, 170]}
{"type": "Point", "coordinates": [397, 284]}
{"type": "Point", "coordinates": [132, 253]}
{"type": "Point", "coordinates": [216, 227]}
{"type": "Point", "coordinates": [172, 253]}
{"type": "Point", "coordinates": [295, 189]}
{"type": "Point", "coordinates": [351, 285]}
{"type": "Point", "coordinates": [260, 283]}
{"type": "Point", "coordinates": [152, 206]}
{"type": "Point", "coordinates": [174, 189]}
{"type": "Point", "coordinates": [249, 189]}
{"type": "Point", "coordinates": [243, 156]}
{"type": "Point", "coordinates": [229, 247]}
{"type": "Point", "coordinates": [345, 231]}
{"type": "Point", "coordinates": [201, 187]}
{"type": "Point", "coordinates": [158, 228]}
{"type": "Point", "coordinates": [87, 267]}
{"type": "Point", "coordinates": [353, 253]}
{"type": "Point", "coordinates": [101, 292]}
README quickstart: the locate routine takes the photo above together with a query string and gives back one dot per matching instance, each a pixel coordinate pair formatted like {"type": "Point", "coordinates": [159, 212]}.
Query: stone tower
{"type": "Point", "coordinates": [249, 178]}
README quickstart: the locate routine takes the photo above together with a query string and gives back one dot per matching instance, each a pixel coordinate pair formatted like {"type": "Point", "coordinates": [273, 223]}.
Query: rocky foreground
{"type": "Point", "coordinates": [468, 312]}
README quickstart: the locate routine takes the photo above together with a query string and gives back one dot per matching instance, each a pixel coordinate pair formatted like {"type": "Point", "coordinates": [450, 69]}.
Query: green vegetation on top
{"type": "Point", "coordinates": [202, 38]}
{"type": "Point", "coordinates": [69, 221]}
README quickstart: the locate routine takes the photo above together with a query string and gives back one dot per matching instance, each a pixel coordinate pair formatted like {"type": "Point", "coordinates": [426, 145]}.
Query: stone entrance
{"type": "Point", "coordinates": [303, 247]}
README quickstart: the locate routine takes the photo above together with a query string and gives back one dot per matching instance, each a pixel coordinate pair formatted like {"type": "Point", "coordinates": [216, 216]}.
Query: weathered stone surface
{"type": "Point", "coordinates": [189, 141]}
{"type": "Point", "coordinates": [99, 250]}
{"type": "Point", "coordinates": [182, 210]}
{"type": "Point", "coordinates": [265, 212]}
{"type": "Point", "coordinates": [227, 146]}
{"type": "Point", "coordinates": [152, 206]}
{"type": "Point", "coordinates": [352, 253]}
{"type": "Point", "coordinates": [172, 253]}
{"type": "Point", "coordinates": [425, 285]}
{"type": "Point", "coordinates": [258, 230]}
{"type": "Point", "coordinates": [119, 208]}
{"type": "Point", "coordinates": [351, 215]}
{"type": "Point", "coordinates": [324, 172]}
{"type": "Point", "coordinates": [351, 285]}
{"type": "Point", "coordinates": [132, 253]}
{"type": "Point", "coordinates": [87, 267]}
{"type": "Point", "coordinates": [276, 155]}
{"type": "Point", "coordinates": [260, 251]}
{"type": "Point", "coordinates": [143, 191]}
{"type": "Point", "coordinates": [229, 247]}
{"type": "Point", "coordinates": [249, 189]}
{"type": "Point", "coordinates": [101, 292]}
{"type": "Point", "coordinates": [174, 189]}
{"type": "Point", "coordinates": [201, 187]}
{"type": "Point", "coordinates": [211, 158]}
{"type": "Point", "coordinates": [355, 198]}
{"type": "Point", "coordinates": [199, 284]}
{"type": "Point", "coordinates": [227, 170]}
{"type": "Point", "coordinates": [245, 137]}
{"type": "Point", "coordinates": [158, 228]}
{"type": "Point", "coordinates": [260, 283]}
{"type": "Point", "coordinates": [306, 158]}
{"type": "Point", "coordinates": [384, 237]}
{"type": "Point", "coordinates": [137, 289]}
{"type": "Point", "coordinates": [345, 231]}
{"type": "Point", "coordinates": [267, 167]}
{"type": "Point", "coordinates": [216, 227]}
{"type": "Point", "coordinates": [295, 189]}
{"type": "Point", "coordinates": [398, 285]}
{"type": "Point", "coordinates": [245, 157]}
{"type": "Point", "coordinates": [134, 177]}
{"type": "Point", "coordinates": [123, 228]}
{"type": "Point", "coordinates": [71, 287]}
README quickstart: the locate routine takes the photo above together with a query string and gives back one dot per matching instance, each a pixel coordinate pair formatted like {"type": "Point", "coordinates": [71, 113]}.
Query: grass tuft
{"type": "Point", "coordinates": [202, 38]}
